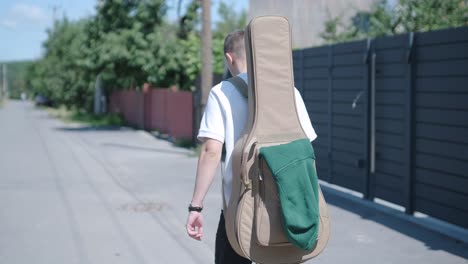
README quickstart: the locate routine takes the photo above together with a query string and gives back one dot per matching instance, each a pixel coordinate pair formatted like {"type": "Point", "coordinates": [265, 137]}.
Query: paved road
{"type": "Point", "coordinates": [71, 194]}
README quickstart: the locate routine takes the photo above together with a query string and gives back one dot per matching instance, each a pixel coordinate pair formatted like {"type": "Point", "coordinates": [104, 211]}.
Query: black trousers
{"type": "Point", "coordinates": [224, 254]}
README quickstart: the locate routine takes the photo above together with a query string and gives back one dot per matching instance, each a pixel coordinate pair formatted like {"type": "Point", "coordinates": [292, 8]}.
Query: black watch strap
{"type": "Point", "coordinates": [194, 208]}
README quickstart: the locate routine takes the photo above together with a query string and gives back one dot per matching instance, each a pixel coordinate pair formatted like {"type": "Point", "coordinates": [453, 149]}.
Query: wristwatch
{"type": "Point", "coordinates": [194, 208]}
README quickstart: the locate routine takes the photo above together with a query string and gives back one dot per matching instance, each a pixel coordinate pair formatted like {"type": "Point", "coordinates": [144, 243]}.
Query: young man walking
{"type": "Point", "coordinates": [222, 123]}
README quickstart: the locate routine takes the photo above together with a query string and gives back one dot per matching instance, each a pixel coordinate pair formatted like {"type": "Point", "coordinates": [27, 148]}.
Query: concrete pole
{"type": "Point", "coordinates": [207, 69]}
{"type": "Point", "coordinates": [200, 96]}
{"type": "Point", "coordinates": [5, 82]}
{"type": "Point", "coordinates": [98, 95]}
{"type": "Point", "coordinates": [1, 87]}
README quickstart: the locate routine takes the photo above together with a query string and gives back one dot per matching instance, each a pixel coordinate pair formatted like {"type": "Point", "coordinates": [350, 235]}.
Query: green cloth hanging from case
{"type": "Point", "coordinates": [292, 166]}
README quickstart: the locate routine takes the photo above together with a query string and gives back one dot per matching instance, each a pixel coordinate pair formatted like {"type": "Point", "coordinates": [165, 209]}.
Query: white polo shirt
{"type": "Point", "coordinates": [224, 119]}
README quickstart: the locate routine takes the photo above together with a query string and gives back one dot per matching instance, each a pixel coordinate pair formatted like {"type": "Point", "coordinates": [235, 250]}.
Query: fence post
{"type": "Point", "coordinates": [146, 106]}
{"type": "Point", "coordinates": [301, 69]}
{"type": "Point", "coordinates": [369, 76]}
{"type": "Point", "coordinates": [4, 89]}
{"type": "Point", "coordinates": [409, 125]}
{"type": "Point", "coordinates": [330, 112]}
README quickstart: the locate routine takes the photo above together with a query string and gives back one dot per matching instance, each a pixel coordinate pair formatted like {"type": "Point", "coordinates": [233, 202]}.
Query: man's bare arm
{"type": "Point", "coordinates": [208, 162]}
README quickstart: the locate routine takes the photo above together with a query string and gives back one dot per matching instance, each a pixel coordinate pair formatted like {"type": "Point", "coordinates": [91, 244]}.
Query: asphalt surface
{"type": "Point", "coordinates": [75, 194]}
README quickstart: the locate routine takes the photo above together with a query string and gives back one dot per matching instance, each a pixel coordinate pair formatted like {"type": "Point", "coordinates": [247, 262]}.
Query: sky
{"type": "Point", "coordinates": [23, 23]}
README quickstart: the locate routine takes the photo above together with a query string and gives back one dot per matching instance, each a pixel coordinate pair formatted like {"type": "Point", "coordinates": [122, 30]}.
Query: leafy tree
{"type": "Point", "coordinates": [127, 43]}
{"type": "Point", "coordinates": [115, 14]}
{"type": "Point", "coordinates": [16, 77]}
{"type": "Point", "coordinates": [190, 20]}
{"type": "Point", "coordinates": [60, 75]}
{"type": "Point", "coordinates": [229, 22]}
{"type": "Point", "coordinates": [124, 29]}
{"type": "Point", "coordinates": [191, 42]}
{"type": "Point", "coordinates": [333, 31]}
{"type": "Point", "coordinates": [428, 15]}
{"type": "Point", "coordinates": [169, 66]}
{"type": "Point", "coordinates": [405, 16]}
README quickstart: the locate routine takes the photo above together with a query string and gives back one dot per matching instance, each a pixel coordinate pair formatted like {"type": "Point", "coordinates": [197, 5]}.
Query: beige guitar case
{"type": "Point", "coordinates": [253, 215]}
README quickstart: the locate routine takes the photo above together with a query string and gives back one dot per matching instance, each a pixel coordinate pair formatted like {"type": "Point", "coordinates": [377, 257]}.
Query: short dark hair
{"type": "Point", "coordinates": [234, 42]}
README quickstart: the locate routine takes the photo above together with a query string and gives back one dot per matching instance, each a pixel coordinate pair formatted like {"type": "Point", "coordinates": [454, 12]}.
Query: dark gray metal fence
{"type": "Point", "coordinates": [391, 116]}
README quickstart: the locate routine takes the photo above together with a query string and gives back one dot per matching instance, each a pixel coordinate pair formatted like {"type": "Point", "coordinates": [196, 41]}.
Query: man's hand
{"type": "Point", "coordinates": [195, 225]}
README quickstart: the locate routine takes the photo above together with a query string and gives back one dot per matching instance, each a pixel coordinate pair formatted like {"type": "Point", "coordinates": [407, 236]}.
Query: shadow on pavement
{"type": "Point", "coordinates": [84, 128]}
{"type": "Point", "coordinates": [124, 146]}
{"type": "Point", "coordinates": [432, 239]}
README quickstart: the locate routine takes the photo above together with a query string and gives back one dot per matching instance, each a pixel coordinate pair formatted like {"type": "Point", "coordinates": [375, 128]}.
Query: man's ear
{"type": "Point", "coordinates": [229, 58]}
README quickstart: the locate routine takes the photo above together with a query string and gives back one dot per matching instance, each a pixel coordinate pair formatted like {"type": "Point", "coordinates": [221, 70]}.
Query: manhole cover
{"type": "Point", "coordinates": [143, 207]}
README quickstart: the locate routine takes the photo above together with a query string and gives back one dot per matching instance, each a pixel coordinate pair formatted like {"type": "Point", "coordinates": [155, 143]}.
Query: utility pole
{"type": "Point", "coordinates": [207, 69]}
{"type": "Point", "coordinates": [1, 87]}
{"type": "Point", "coordinates": [201, 95]}
{"type": "Point", "coordinates": [98, 96]}
{"type": "Point", "coordinates": [5, 82]}
{"type": "Point", "coordinates": [55, 9]}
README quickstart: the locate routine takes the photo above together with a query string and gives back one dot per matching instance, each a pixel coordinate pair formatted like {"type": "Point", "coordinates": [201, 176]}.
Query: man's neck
{"type": "Point", "coordinates": [242, 70]}
{"type": "Point", "coordinates": [238, 70]}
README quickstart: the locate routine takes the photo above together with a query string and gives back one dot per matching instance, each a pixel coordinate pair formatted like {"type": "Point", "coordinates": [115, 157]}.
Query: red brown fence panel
{"type": "Point", "coordinates": [165, 110]}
